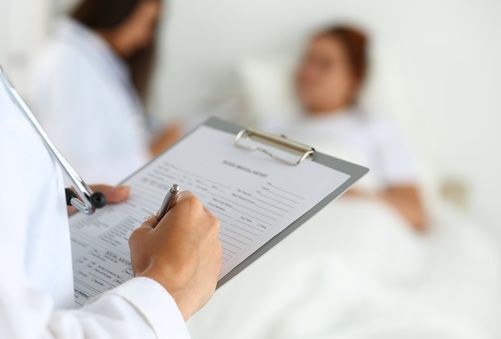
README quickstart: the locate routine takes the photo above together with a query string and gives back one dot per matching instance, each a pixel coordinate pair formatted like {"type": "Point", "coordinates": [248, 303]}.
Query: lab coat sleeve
{"type": "Point", "coordinates": [140, 308]}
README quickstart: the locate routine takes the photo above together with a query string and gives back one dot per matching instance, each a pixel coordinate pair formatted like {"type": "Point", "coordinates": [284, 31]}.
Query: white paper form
{"type": "Point", "coordinates": [254, 197]}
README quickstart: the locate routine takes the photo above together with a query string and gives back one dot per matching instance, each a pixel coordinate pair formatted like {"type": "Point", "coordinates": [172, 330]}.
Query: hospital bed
{"type": "Point", "coordinates": [357, 270]}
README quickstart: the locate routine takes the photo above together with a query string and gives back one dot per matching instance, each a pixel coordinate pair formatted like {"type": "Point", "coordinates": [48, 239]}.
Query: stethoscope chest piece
{"type": "Point", "coordinates": [97, 200]}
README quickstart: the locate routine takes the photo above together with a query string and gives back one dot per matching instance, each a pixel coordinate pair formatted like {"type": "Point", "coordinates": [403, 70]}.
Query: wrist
{"type": "Point", "coordinates": [174, 289]}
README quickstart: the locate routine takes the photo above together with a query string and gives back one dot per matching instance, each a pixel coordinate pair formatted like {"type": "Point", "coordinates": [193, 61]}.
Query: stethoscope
{"type": "Point", "coordinates": [83, 198]}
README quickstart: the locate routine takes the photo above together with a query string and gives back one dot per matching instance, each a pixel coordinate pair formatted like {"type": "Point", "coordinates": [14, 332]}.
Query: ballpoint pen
{"type": "Point", "coordinates": [169, 201]}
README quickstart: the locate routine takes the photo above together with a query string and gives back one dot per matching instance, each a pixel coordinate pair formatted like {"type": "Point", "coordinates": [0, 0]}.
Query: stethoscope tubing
{"type": "Point", "coordinates": [83, 199]}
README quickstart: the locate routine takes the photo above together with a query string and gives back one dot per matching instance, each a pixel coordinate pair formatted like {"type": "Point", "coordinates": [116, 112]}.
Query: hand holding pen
{"type": "Point", "coordinates": [181, 250]}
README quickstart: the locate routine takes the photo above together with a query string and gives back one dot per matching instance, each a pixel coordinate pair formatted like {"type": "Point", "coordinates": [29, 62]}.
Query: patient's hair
{"type": "Point", "coordinates": [355, 43]}
{"type": "Point", "coordinates": [102, 15]}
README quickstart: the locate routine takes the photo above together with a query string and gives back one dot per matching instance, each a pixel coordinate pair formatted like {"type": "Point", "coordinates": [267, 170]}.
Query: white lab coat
{"type": "Point", "coordinates": [84, 98]}
{"type": "Point", "coordinates": [36, 284]}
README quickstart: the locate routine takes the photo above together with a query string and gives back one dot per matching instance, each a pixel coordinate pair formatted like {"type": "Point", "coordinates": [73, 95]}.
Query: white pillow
{"type": "Point", "coordinates": [267, 88]}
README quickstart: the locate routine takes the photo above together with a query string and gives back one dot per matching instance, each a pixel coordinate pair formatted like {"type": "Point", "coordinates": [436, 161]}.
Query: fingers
{"type": "Point", "coordinates": [148, 225]}
{"type": "Point", "coordinates": [71, 210]}
{"type": "Point", "coordinates": [187, 204]}
{"type": "Point", "coordinates": [114, 195]}
{"type": "Point", "coordinates": [150, 222]}
{"type": "Point", "coordinates": [117, 194]}
{"type": "Point", "coordinates": [190, 204]}
{"type": "Point", "coordinates": [185, 195]}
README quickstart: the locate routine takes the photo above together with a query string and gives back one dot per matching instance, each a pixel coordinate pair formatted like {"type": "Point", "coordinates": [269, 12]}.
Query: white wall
{"type": "Point", "coordinates": [449, 52]}
{"type": "Point", "coordinates": [23, 27]}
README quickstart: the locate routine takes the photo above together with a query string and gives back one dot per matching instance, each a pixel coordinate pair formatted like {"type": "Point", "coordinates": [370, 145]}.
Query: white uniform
{"type": "Point", "coordinates": [83, 96]}
{"type": "Point", "coordinates": [36, 284]}
{"type": "Point", "coordinates": [366, 140]}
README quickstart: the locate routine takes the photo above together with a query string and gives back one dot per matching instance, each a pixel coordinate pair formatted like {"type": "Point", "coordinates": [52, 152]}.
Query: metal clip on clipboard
{"type": "Point", "coordinates": [281, 142]}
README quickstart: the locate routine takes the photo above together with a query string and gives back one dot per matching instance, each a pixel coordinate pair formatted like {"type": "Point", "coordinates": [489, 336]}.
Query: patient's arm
{"type": "Point", "coordinates": [407, 201]}
{"type": "Point", "coordinates": [165, 139]}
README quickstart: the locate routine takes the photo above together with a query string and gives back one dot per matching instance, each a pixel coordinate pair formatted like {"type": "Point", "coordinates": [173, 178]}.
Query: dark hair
{"type": "Point", "coordinates": [103, 15]}
{"type": "Point", "coordinates": [355, 43]}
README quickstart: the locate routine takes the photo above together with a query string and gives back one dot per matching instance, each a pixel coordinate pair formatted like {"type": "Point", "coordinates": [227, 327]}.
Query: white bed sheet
{"type": "Point", "coordinates": [357, 271]}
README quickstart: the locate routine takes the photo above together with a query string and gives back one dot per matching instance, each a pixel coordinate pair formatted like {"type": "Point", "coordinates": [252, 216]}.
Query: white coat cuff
{"type": "Point", "coordinates": [156, 305]}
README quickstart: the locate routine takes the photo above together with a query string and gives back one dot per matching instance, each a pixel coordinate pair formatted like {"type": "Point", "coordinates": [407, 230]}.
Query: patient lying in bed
{"type": "Point", "coordinates": [327, 82]}
{"type": "Point", "coordinates": [355, 270]}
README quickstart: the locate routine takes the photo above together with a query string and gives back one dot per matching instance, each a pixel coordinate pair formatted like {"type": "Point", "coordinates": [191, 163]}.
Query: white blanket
{"type": "Point", "coordinates": [356, 270]}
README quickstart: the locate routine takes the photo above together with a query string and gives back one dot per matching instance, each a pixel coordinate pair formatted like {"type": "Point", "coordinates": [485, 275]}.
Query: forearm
{"type": "Point", "coordinates": [165, 139]}
{"type": "Point", "coordinates": [407, 202]}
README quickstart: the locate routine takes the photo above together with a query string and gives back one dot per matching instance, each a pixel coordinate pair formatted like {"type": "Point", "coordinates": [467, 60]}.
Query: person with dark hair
{"type": "Point", "coordinates": [91, 84]}
{"type": "Point", "coordinates": [333, 70]}
{"type": "Point", "coordinates": [328, 82]}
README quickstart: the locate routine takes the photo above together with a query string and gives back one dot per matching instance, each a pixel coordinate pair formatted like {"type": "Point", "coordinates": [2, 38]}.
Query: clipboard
{"type": "Point", "coordinates": [248, 145]}
{"type": "Point", "coordinates": [304, 153]}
